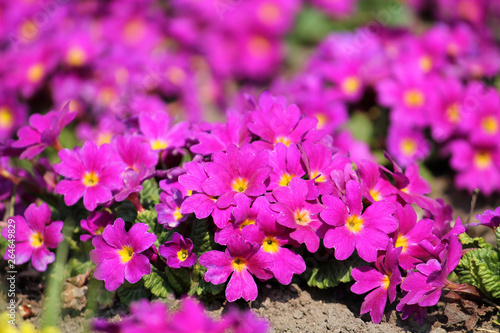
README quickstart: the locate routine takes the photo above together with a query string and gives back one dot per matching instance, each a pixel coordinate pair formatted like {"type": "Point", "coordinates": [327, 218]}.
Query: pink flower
{"type": "Point", "coordinates": [366, 231]}
{"type": "Point", "coordinates": [117, 254]}
{"type": "Point", "coordinates": [91, 173]}
{"type": "Point", "coordinates": [178, 252]}
{"type": "Point", "coordinates": [241, 259]}
{"type": "Point", "coordinates": [33, 235]}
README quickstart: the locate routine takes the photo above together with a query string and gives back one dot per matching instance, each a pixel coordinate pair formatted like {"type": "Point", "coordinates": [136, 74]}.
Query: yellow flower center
{"type": "Point", "coordinates": [76, 56]}
{"type": "Point", "coordinates": [90, 178]}
{"type": "Point", "coordinates": [414, 98]}
{"type": "Point", "coordinates": [177, 214]}
{"type": "Point", "coordinates": [269, 13]}
{"type": "Point", "coordinates": [239, 264]}
{"type": "Point", "coordinates": [408, 146]}
{"type": "Point", "coordinates": [134, 31]}
{"type": "Point", "coordinates": [106, 95]}
{"type": "Point", "coordinates": [351, 85]}
{"type": "Point", "coordinates": [425, 63]}
{"type": "Point", "coordinates": [270, 244]}
{"type": "Point", "coordinates": [104, 137]}
{"type": "Point", "coordinates": [159, 144]}
{"type": "Point", "coordinates": [36, 72]}
{"type": "Point", "coordinates": [285, 179]}
{"type": "Point", "coordinates": [453, 113]}
{"type": "Point", "coordinates": [386, 281]}
{"type": "Point", "coordinates": [121, 75]}
{"type": "Point", "coordinates": [28, 29]}
{"type": "Point", "coordinates": [126, 254]}
{"type": "Point", "coordinates": [246, 222]}
{"type": "Point", "coordinates": [376, 195]}
{"type": "Point", "coordinates": [36, 239]}
{"type": "Point", "coordinates": [401, 241]}
{"type": "Point", "coordinates": [316, 173]}
{"type": "Point", "coordinates": [284, 140]}
{"type": "Point", "coordinates": [99, 231]}
{"type": "Point", "coordinates": [176, 75]}
{"type": "Point", "coordinates": [482, 160]}
{"type": "Point", "coordinates": [354, 223]}
{"type": "Point", "coordinates": [182, 254]}
{"type": "Point", "coordinates": [322, 119]}
{"type": "Point", "coordinates": [259, 46]}
{"type": "Point", "coordinates": [302, 216]}
{"type": "Point", "coordinates": [6, 117]}
{"type": "Point", "coordinates": [489, 125]}
{"type": "Point", "coordinates": [240, 184]}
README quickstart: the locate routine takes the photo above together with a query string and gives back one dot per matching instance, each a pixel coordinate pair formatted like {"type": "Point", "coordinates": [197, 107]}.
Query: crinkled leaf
{"type": "Point", "coordinates": [203, 239]}
{"type": "Point", "coordinates": [76, 267]}
{"type": "Point", "coordinates": [150, 194]}
{"type": "Point", "coordinates": [331, 273]}
{"type": "Point", "coordinates": [157, 283]}
{"type": "Point", "coordinates": [477, 242]}
{"type": "Point", "coordinates": [178, 279]}
{"type": "Point", "coordinates": [132, 292]}
{"type": "Point", "coordinates": [481, 268]}
{"type": "Point", "coordinates": [497, 234]}
{"type": "Point", "coordinates": [148, 217]}
{"type": "Point", "coordinates": [204, 288]}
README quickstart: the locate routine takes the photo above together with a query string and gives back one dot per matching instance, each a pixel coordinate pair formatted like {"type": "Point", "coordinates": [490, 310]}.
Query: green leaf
{"type": "Point", "coordinates": [203, 240]}
{"type": "Point", "coordinates": [148, 217]}
{"type": "Point", "coordinates": [361, 126]}
{"type": "Point", "coordinates": [205, 288]}
{"type": "Point", "coordinates": [497, 234]}
{"type": "Point", "coordinates": [126, 211]}
{"type": "Point", "coordinates": [157, 283]}
{"type": "Point", "coordinates": [480, 267]}
{"type": "Point", "coordinates": [179, 279]}
{"type": "Point", "coordinates": [330, 274]}
{"type": "Point", "coordinates": [150, 194]}
{"type": "Point", "coordinates": [477, 242]}
{"type": "Point", "coordinates": [132, 292]}
{"type": "Point", "coordinates": [75, 267]}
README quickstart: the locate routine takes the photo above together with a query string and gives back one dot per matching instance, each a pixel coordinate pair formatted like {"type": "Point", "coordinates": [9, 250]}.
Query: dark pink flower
{"type": "Point", "coordinates": [178, 252]}
{"type": "Point", "coordinates": [95, 224]}
{"type": "Point", "coordinates": [240, 260]}
{"type": "Point", "coordinates": [366, 231]}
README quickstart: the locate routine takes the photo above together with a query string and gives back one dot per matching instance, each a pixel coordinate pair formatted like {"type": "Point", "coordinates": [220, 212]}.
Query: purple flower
{"type": "Point", "coordinates": [169, 213]}
{"type": "Point", "coordinates": [95, 224]}
{"type": "Point", "coordinates": [383, 278]}
{"type": "Point", "coordinates": [135, 152]}
{"type": "Point", "coordinates": [424, 286]}
{"type": "Point", "coordinates": [117, 254]}
{"type": "Point", "coordinates": [489, 218]}
{"type": "Point", "coordinates": [407, 144]}
{"type": "Point", "coordinates": [272, 237]}
{"type": "Point", "coordinates": [42, 132]}
{"type": "Point", "coordinates": [297, 213]}
{"type": "Point", "coordinates": [33, 234]}
{"type": "Point", "coordinates": [366, 231]}
{"type": "Point", "coordinates": [285, 163]}
{"type": "Point", "coordinates": [239, 170]}
{"type": "Point", "coordinates": [159, 132]}
{"type": "Point", "coordinates": [241, 259]}
{"type": "Point", "coordinates": [91, 173]}
{"type": "Point", "coordinates": [200, 203]}
{"type": "Point", "coordinates": [178, 252]}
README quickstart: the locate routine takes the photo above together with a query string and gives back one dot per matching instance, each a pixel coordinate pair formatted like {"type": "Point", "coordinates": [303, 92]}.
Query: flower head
{"type": "Point", "coordinates": [178, 252]}
{"type": "Point", "coordinates": [34, 234]}
{"type": "Point", "coordinates": [95, 224]}
{"type": "Point", "coordinates": [117, 254]}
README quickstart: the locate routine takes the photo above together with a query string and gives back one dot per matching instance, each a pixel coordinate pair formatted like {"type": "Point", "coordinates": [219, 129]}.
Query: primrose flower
{"type": "Point", "coordinates": [135, 152]}
{"type": "Point", "coordinates": [168, 210]}
{"type": "Point", "coordinates": [34, 234]}
{"type": "Point", "coordinates": [383, 279]}
{"type": "Point", "coordinates": [272, 237]}
{"type": "Point", "coordinates": [424, 286]}
{"type": "Point", "coordinates": [158, 131]}
{"type": "Point", "coordinates": [240, 260]}
{"type": "Point", "coordinates": [117, 254]}
{"type": "Point", "coordinates": [489, 218]}
{"type": "Point", "coordinates": [297, 213]}
{"type": "Point", "coordinates": [91, 173]}
{"type": "Point", "coordinates": [178, 252]}
{"type": "Point", "coordinates": [407, 145]}
{"type": "Point", "coordinates": [285, 163]}
{"type": "Point", "coordinates": [239, 170]}
{"type": "Point", "coordinates": [366, 231]}
{"type": "Point", "coordinates": [43, 131]}
{"type": "Point", "coordinates": [95, 224]}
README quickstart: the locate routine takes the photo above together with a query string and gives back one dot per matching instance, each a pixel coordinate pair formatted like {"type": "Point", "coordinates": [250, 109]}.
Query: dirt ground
{"type": "Point", "coordinates": [292, 309]}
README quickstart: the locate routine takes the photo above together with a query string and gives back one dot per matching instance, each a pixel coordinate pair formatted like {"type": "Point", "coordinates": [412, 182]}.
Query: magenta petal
{"type": "Point", "coordinates": [23, 252]}
{"type": "Point", "coordinates": [139, 237]}
{"type": "Point", "coordinates": [52, 234]}
{"type": "Point", "coordinates": [367, 278]}
{"type": "Point", "coordinates": [115, 234]}
{"type": "Point", "coordinates": [342, 240]}
{"type": "Point", "coordinates": [112, 271]}
{"type": "Point", "coordinates": [95, 195]}
{"type": "Point", "coordinates": [335, 213]}
{"type": "Point", "coordinates": [42, 257]}
{"type": "Point", "coordinates": [368, 241]}
{"type": "Point", "coordinates": [379, 216]}
{"type": "Point", "coordinates": [71, 165]}
{"type": "Point", "coordinates": [218, 264]}
{"type": "Point", "coordinates": [240, 285]}
{"type": "Point", "coordinates": [72, 190]}
{"type": "Point", "coordinates": [136, 268]}
{"type": "Point", "coordinates": [38, 217]}
{"type": "Point", "coordinates": [306, 235]}
{"type": "Point", "coordinates": [287, 263]}
{"type": "Point", "coordinates": [199, 204]}
{"type": "Point", "coordinates": [353, 197]}
{"type": "Point", "coordinates": [375, 303]}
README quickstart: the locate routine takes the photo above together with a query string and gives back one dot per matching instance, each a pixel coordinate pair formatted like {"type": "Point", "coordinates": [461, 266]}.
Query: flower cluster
{"type": "Point", "coordinates": [189, 317]}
